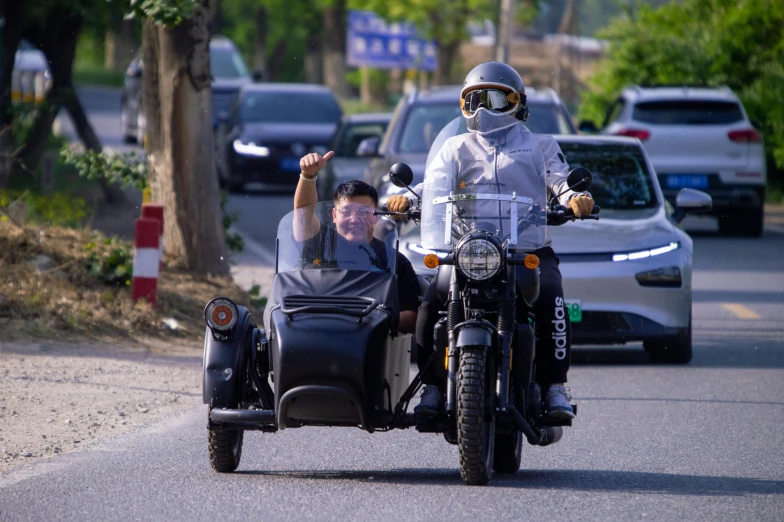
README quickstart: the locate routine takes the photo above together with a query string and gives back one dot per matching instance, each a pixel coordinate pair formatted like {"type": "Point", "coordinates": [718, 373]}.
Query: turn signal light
{"type": "Point", "coordinates": [221, 314]}
{"type": "Point", "coordinates": [431, 261]}
{"type": "Point", "coordinates": [531, 261]}
{"type": "Point", "coordinates": [640, 134]}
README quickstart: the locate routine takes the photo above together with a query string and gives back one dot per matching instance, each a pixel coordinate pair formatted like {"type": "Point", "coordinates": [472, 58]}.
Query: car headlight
{"type": "Point", "coordinates": [425, 251]}
{"type": "Point", "coordinates": [642, 254]}
{"type": "Point", "coordinates": [250, 149]}
{"type": "Point", "coordinates": [478, 258]}
{"type": "Point", "coordinates": [221, 314]}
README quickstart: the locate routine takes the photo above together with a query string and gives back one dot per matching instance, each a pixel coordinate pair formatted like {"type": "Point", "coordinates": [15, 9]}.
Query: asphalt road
{"type": "Point", "coordinates": [696, 442]}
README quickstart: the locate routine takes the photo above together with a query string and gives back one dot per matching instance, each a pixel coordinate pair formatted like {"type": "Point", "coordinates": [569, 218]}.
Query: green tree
{"type": "Point", "coordinates": [738, 43]}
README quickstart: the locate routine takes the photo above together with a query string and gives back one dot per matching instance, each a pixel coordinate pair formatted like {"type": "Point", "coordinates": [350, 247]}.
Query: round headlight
{"type": "Point", "coordinates": [221, 314]}
{"type": "Point", "coordinates": [478, 259]}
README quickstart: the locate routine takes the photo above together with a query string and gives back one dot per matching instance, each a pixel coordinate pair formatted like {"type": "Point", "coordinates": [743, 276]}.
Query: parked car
{"type": "Point", "coordinates": [269, 127]}
{"type": "Point", "coordinates": [30, 77]}
{"type": "Point", "coordinates": [698, 138]}
{"type": "Point", "coordinates": [419, 117]}
{"type": "Point", "coordinates": [627, 277]}
{"type": "Point", "coordinates": [347, 164]}
{"type": "Point", "coordinates": [229, 73]}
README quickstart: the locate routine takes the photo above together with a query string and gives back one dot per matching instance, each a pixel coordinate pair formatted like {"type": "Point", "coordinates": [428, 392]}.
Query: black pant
{"type": "Point", "coordinates": [553, 330]}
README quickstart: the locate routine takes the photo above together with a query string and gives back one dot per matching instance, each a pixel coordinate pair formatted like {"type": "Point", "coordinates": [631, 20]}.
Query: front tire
{"type": "Point", "coordinates": [743, 223]}
{"type": "Point", "coordinates": [225, 449]}
{"type": "Point", "coordinates": [475, 429]}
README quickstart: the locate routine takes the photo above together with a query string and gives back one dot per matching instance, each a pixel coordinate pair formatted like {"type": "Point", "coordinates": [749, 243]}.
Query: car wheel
{"type": "Point", "coordinates": [747, 223]}
{"type": "Point", "coordinates": [675, 350]}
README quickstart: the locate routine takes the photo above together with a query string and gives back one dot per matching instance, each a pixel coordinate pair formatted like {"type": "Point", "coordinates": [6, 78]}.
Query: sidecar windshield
{"type": "Point", "coordinates": [348, 237]}
{"type": "Point", "coordinates": [462, 192]}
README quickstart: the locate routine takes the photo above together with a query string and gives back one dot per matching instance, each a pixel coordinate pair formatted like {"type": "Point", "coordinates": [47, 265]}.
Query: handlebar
{"type": "Point", "coordinates": [560, 215]}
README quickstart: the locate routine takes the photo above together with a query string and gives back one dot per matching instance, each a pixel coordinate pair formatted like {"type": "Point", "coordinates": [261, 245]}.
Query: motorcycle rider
{"type": "Point", "coordinates": [500, 151]}
{"type": "Point", "coordinates": [354, 224]}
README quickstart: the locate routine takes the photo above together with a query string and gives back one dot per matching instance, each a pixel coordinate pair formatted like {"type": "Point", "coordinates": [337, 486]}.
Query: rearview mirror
{"type": "Point", "coordinates": [690, 201]}
{"type": "Point", "coordinates": [579, 179]}
{"type": "Point", "coordinates": [588, 127]}
{"type": "Point", "coordinates": [401, 175]}
{"type": "Point", "coordinates": [368, 148]}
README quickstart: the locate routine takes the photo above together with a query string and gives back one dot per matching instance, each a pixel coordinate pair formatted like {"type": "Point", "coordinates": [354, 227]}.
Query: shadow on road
{"type": "Point", "coordinates": [723, 352]}
{"type": "Point", "coordinates": [567, 480]}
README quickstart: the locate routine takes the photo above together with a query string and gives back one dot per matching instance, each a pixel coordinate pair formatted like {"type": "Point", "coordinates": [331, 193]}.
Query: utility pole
{"type": "Point", "coordinates": [563, 29]}
{"type": "Point", "coordinates": [504, 31]}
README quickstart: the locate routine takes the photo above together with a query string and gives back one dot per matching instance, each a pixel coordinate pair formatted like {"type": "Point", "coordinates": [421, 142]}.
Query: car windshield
{"type": "Point", "coordinates": [352, 135]}
{"type": "Point", "coordinates": [423, 123]}
{"type": "Point", "coordinates": [289, 107]}
{"type": "Point", "coordinates": [227, 63]}
{"type": "Point", "coordinates": [349, 237]}
{"type": "Point", "coordinates": [621, 179]}
{"type": "Point", "coordinates": [692, 112]}
{"type": "Point", "coordinates": [547, 118]}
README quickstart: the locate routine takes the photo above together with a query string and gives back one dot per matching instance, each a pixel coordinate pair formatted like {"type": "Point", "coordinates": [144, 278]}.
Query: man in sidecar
{"type": "Point", "coordinates": [351, 240]}
{"type": "Point", "coordinates": [498, 153]}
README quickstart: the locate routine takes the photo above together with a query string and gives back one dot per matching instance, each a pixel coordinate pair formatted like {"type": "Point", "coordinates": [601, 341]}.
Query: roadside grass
{"type": "Point", "coordinates": [96, 75]}
{"type": "Point", "coordinates": [67, 298]}
{"type": "Point", "coordinates": [355, 106]}
{"type": "Point", "coordinates": [775, 193]}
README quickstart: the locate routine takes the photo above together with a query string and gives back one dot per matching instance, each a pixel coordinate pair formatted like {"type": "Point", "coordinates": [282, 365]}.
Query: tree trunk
{"type": "Point", "coordinates": [313, 58]}
{"type": "Point", "coordinates": [260, 41]}
{"type": "Point", "coordinates": [121, 44]}
{"type": "Point", "coordinates": [15, 21]}
{"type": "Point", "coordinates": [216, 19]}
{"type": "Point", "coordinates": [446, 55]}
{"type": "Point", "coordinates": [57, 40]}
{"type": "Point", "coordinates": [180, 152]}
{"type": "Point", "coordinates": [335, 48]}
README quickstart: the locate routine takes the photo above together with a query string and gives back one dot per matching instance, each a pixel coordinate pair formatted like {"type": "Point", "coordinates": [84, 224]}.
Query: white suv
{"type": "Point", "coordinates": [698, 138]}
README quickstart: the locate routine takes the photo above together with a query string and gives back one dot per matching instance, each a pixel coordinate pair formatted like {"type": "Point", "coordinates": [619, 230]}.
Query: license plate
{"type": "Point", "coordinates": [289, 164]}
{"type": "Point", "coordinates": [698, 181]}
{"type": "Point", "coordinates": [575, 310]}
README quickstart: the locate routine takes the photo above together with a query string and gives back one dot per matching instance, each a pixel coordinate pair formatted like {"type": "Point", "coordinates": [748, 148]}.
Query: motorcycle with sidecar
{"type": "Point", "coordinates": [330, 354]}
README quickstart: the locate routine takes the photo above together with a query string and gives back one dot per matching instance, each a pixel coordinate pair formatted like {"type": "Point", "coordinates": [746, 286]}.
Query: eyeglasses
{"type": "Point", "coordinates": [492, 99]}
{"type": "Point", "coordinates": [362, 212]}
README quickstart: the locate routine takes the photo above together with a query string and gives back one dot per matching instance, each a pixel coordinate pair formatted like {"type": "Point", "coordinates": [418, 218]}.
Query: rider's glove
{"type": "Point", "coordinates": [398, 204]}
{"type": "Point", "coordinates": [581, 205]}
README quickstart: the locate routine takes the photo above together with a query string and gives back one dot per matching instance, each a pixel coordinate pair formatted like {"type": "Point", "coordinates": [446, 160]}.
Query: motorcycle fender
{"type": "Point", "coordinates": [474, 336]}
{"type": "Point", "coordinates": [443, 278]}
{"type": "Point", "coordinates": [528, 285]}
{"type": "Point", "coordinates": [223, 363]}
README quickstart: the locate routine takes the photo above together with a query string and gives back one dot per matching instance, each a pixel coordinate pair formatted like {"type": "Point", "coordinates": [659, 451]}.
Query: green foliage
{"type": "Point", "coordinates": [688, 43]}
{"type": "Point", "coordinates": [98, 75]}
{"type": "Point", "coordinates": [110, 260]}
{"type": "Point", "coordinates": [127, 169]}
{"type": "Point", "coordinates": [234, 240]}
{"type": "Point", "coordinates": [58, 209]}
{"type": "Point", "coordinates": [255, 297]}
{"type": "Point", "coordinates": [165, 12]}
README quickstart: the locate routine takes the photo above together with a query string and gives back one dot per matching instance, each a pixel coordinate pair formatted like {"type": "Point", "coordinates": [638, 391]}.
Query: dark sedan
{"type": "Point", "coordinates": [348, 161]}
{"type": "Point", "coordinates": [269, 128]}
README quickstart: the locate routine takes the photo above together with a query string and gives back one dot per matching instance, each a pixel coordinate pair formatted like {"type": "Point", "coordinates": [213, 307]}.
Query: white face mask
{"type": "Point", "coordinates": [485, 121]}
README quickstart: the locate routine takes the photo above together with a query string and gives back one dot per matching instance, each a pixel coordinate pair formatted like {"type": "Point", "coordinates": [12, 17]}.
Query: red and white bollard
{"type": "Point", "coordinates": [155, 212]}
{"type": "Point", "coordinates": [146, 260]}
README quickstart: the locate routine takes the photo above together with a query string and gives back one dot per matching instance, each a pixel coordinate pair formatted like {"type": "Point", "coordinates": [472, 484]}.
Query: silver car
{"type": "Point", "coordinates": [626, 277]}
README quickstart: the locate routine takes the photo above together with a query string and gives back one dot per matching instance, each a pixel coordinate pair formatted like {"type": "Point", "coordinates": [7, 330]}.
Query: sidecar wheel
{"type": "Point", "coordinates": [475, 429]}
{"type": "Point", "coordinates": [225, 449]}
{"type": "Point", "coordinates": [508, 452]}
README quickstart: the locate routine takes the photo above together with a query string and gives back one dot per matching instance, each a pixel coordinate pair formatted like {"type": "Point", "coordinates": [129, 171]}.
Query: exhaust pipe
{"type": "Point", "coordinates": [552, 434]}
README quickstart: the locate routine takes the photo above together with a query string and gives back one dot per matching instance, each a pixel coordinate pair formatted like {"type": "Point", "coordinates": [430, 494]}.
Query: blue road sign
{"type": "Point", "coordinates": [373, 42]}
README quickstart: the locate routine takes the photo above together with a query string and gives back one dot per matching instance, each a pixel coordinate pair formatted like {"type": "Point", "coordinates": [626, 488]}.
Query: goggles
{"type": "Point", "coordinates": [491, 99]}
